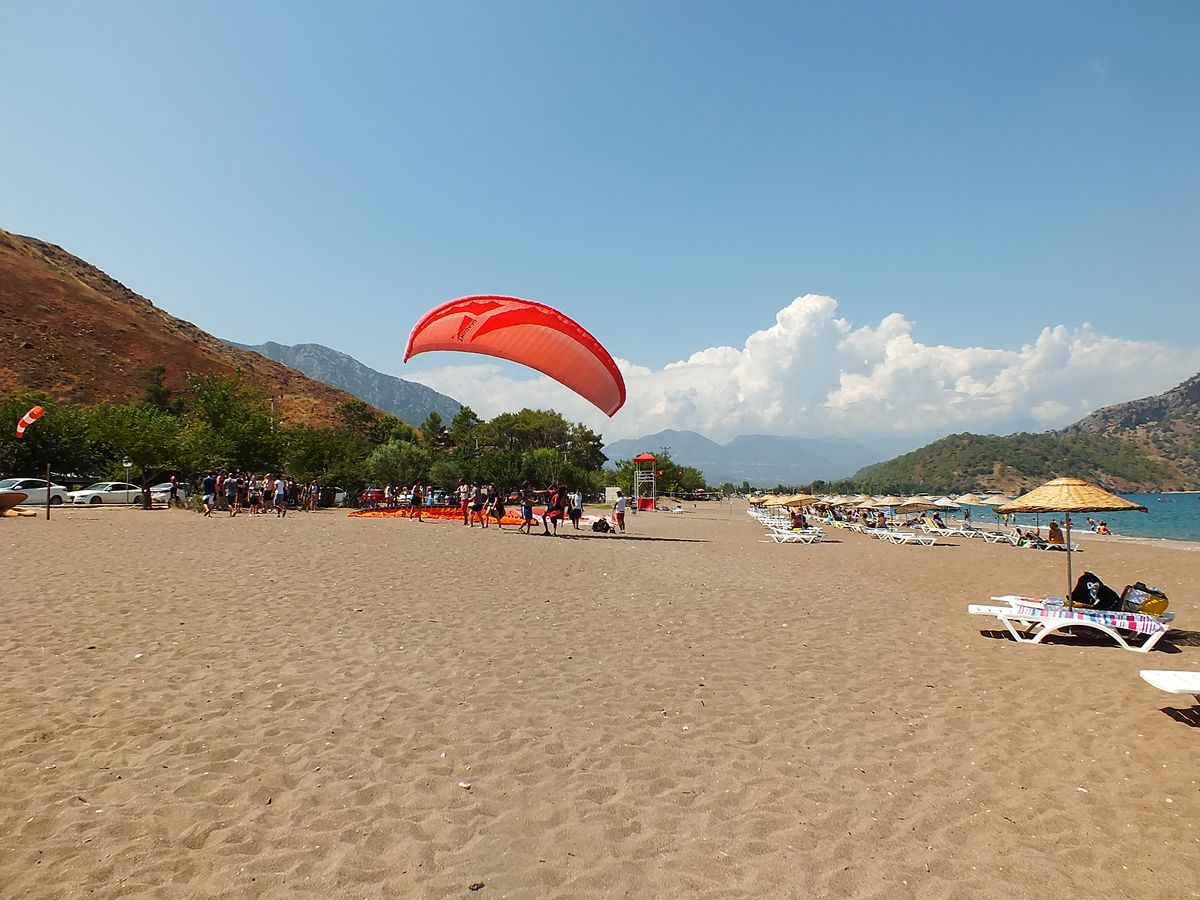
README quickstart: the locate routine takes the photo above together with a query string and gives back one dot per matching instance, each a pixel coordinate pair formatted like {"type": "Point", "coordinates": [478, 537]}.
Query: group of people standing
{"type": "Point", "coordinates": [484, 504]}
{"type": "Point", "coordinates": [234, 492]}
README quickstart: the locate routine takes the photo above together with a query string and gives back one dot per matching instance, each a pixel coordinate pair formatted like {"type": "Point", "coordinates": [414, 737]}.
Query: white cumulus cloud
{"type": "Point", "coordinates": [814, 373]}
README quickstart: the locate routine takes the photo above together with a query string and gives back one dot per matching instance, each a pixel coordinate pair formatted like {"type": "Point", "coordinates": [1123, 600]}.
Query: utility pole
{"type": "Point", "coordinates": [272, 414]}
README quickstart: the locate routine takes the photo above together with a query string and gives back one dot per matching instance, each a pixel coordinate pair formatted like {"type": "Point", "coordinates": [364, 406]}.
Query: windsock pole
{"type": "Point", "coordinates": [48, 492]}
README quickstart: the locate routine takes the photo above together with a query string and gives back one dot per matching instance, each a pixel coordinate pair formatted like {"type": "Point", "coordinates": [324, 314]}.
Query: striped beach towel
{"type": "Point", "coordinates": [1126, 621]}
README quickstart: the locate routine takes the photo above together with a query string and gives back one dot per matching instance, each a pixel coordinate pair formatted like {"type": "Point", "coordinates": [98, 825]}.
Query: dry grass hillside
{"type": "Point", "coordinates": [69, 330]}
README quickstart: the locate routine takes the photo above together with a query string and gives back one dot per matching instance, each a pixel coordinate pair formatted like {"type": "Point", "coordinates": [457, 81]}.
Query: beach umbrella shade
{"type": "Point", "coordinates": [1068, 495]}
{"type": "Point", "coordinates": [969, 500]}
{"type": "Point", "coordinates": [945, 503]}
{"type": "Point", "coordinates": [889, 500]}
{"type": "Point", "coordinates": [798, 500]}
{"type": "Point", "coordinates": [916, 505]}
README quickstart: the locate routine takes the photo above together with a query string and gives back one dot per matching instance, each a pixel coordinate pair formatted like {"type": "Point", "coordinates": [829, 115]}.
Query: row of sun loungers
{"type": "Point", "coordinates": [991, 537]}
{"type": "Point", "coordinates": [925, 533]}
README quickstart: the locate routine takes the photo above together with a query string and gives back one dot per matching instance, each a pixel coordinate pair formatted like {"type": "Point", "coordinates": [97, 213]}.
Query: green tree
{"type": "Point", "coordinates": [463, 425]}
{"type": "Point", "coordinates": [229, 424]}
{"type": "Point", "coordinates": [358, 417]}
{"type": "Point", "coordinates": [145, 435]}
{"type": "Point", "coordinates": [158, 394]}
{"type": "Point", "coordinates": [433, 429]}
{"type": "Point", "coordinates": [398, 463]}
{"type": "Point", "coordinates": [62, 439]}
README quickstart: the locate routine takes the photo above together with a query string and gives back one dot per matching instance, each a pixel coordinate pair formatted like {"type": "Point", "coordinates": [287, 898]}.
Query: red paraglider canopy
{"type": "Point", "coordinates": [526, 332]}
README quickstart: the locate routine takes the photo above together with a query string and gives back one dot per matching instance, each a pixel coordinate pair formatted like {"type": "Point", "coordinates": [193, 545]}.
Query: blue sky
{"type": "Point", "coordinates": [672, 174]}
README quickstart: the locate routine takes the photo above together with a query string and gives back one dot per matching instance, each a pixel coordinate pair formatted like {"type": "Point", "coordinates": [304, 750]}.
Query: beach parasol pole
{"type": "Point", "coordinates": [1067, 595]}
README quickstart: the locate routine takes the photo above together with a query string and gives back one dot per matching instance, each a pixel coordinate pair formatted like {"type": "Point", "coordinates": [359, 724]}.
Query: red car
{"type": "Point", "coordinates": [372, 496]}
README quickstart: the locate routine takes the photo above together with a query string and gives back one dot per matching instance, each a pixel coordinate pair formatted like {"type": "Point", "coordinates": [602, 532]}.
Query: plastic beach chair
{"type": "Point", "coordinates": [1030, 622]}
{"type": "Point", "coordinates": [1173, 682]}
{"type": "Point", "coordinates": [910, 537]}
{"type": "Point", "coordinates": [794, 536]}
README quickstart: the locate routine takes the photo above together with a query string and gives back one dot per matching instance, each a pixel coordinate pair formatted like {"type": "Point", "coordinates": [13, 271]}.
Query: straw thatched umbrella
{"type": "Point", "coordinates": [917, 504]}
{"type": "Point", "coordinates": [1068, 495]}
{"type": "Point", "coordinates": [798, 500]}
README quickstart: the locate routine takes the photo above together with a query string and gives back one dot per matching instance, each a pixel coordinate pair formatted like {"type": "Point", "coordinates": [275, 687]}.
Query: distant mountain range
{"type": "Point", "coordinates": [406, 400]}
{"type": "Point", "coordinates": [764, 460]}
{"type": "Point", "coordinates": [1151, 444]}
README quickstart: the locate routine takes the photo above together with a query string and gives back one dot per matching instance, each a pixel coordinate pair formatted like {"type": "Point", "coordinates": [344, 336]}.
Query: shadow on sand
{"type": "Point", "coordinates": [1087, 637]}
{"type": "Point", "coordinates": [582, 535]}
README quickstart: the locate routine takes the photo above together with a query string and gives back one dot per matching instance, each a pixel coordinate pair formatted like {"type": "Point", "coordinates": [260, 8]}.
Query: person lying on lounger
{"type": "Point", "coordinates": [1055, 535]}
{"type": "Point", "coordinates": [1030, 538]}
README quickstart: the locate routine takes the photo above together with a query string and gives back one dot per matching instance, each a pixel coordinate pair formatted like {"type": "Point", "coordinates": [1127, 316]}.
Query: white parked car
{"type": "Point", "coordinates": [36, 489]}
{"type": "Point", "coordinates": [161, 493]}
{"type": "Point", "coordinates": [107, 492]}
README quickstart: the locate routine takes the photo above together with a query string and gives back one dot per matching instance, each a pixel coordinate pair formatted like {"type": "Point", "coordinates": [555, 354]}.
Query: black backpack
{"type": "Point", "coordinates": [1091, 592]}
{"type": "Point", "coordinates": [601, 525]}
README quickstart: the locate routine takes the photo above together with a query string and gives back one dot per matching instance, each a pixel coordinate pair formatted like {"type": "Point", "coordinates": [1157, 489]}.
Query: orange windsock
{"type": "Point", "coordinates": [28, 419]}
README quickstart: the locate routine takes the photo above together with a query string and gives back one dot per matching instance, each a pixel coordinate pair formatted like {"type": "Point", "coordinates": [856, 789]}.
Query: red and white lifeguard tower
{"type": "Point", "coordinates": [645, 481]}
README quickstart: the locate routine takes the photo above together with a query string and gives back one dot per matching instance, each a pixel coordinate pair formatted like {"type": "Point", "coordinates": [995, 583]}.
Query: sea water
{"type": "Point", "coordinates": [1174, 517]}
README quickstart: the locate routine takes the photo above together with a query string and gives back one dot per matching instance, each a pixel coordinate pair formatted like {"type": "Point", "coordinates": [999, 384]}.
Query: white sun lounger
{"type": "Point", "coordinates": [793, 537]}
{"type": "Point", "coordinates": [779, 535]}
{"type": "Point", "coordinates": [910, 537]}
{"type": "Point", "coordinates": [1037, 622]}
{"type": "Point", "coordinates": [1173, 682]}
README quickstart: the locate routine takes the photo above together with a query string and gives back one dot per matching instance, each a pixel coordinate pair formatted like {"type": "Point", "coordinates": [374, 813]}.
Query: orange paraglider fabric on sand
{"type": "Point", "coordinates": [449, 513]}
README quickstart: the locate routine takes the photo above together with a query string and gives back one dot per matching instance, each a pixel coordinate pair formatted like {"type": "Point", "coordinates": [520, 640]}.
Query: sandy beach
{"type": "Point", "coordinates": [323, 706]}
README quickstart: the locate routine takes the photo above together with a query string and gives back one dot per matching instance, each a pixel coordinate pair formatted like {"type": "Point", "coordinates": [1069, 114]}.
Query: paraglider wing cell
{"type": "Point", "coordinates": [525, 332]}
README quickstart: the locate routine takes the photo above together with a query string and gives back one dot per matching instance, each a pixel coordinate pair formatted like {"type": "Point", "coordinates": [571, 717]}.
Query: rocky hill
{"type": "Point", "coordinates": [70, 331]}
{"type": "Point", "coordinates": [406, 400]}
{"type": "Point", "coordinates": [1151, 444]}
{"type": "Point", "coordinates": [1165, 429]}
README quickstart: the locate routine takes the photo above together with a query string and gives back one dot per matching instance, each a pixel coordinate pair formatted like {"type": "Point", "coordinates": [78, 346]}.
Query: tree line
{"type": "Point", "coordinates": [223, 423]}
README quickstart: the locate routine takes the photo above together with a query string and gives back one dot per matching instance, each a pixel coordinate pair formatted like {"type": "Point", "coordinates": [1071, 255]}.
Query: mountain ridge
{"type": "Point", "coordinates": [761, 459]}
{"type": "Point", "coordinates": [408, 400]}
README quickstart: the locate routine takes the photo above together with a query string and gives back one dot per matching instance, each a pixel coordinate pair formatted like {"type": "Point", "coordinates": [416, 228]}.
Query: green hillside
{"type": "Point", "coordinates": [1014, 463]}
{"type": "Point", "coordinates": [1152, 444]}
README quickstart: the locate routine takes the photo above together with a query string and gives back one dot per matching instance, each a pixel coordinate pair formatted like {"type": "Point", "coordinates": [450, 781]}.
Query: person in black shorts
{"type": "Point", "coordinates": [417, 501]}
{"type": "Point", "coordinates": [496, 505]}
{"type": "Point", "coordinates": [554, 509]}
